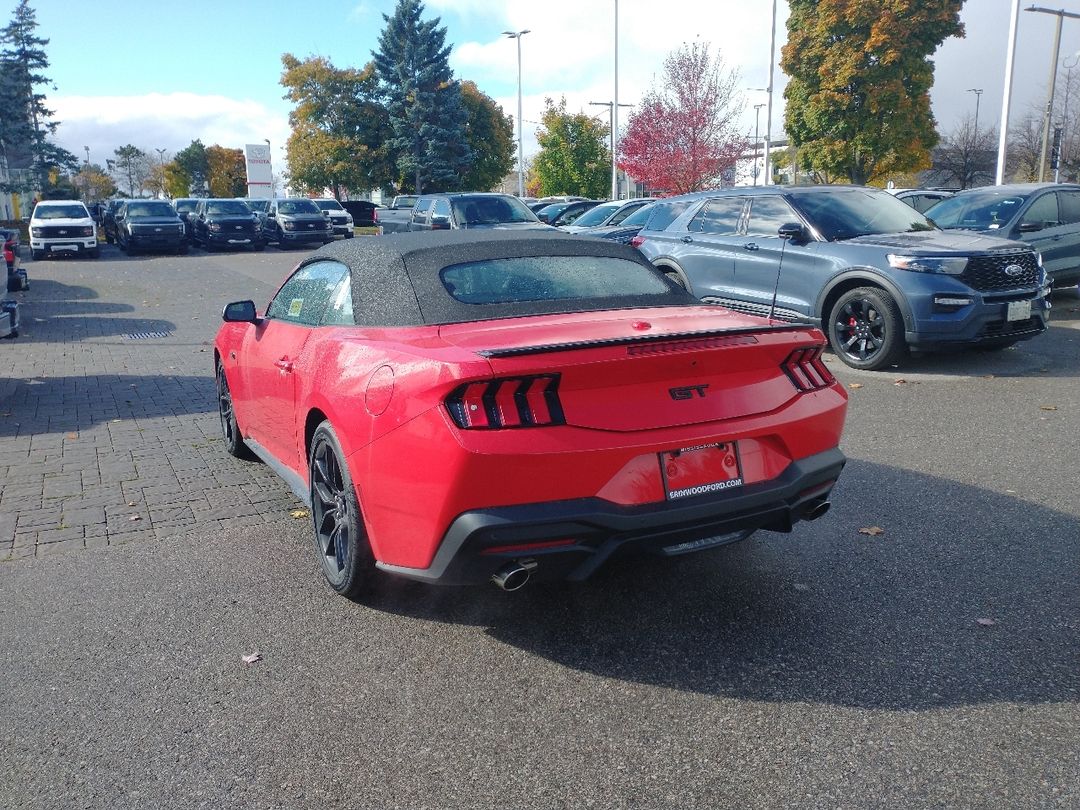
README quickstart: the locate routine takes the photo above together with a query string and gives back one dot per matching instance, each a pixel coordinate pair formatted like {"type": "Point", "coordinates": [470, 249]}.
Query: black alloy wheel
{"type": "Point", "coordinates": [234, 442]}
{"type": "Point", "coordinates": [340, 537]}
{"type": "Point", "coordinates": [866, 329]}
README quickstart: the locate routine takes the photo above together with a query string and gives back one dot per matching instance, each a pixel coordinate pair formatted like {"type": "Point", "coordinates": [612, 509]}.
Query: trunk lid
{"type": "Point", "coordinates": [641, 369]}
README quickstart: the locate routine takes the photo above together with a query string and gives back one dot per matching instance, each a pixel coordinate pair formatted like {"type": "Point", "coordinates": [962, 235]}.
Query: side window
{"type": "Point", "coordinates": [440, 213]}
{"type": "Point", "coordinates": [340, 311]}
{"type": "Point", "coordinates": [1044, 211]}
{"type": "Point", "coordinates": [419, 213]}
{"type": "Point", "coordinates": [767, 214]}
{"type": "Point", "coordinates": [666, 213]}
{"type": "Point", "coordinates": [1069, 207]}
{"type": "Point", "coordinates": [570, 215]}
{"type": "Point", "coordinates": [719, 217]}
{"type": "Point", "coordinates": [305, 296]}
{"type": "Point", "coordinates": [623, 214]}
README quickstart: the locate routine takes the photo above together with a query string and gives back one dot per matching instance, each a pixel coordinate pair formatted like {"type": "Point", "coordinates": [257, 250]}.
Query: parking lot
{"type": "Point", "coordinates": [918, 647]}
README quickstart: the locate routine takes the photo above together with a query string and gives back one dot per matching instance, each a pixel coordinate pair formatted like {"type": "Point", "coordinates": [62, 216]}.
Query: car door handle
{"type": "Point", "coordinates": [750, 246]}
{"type": "Point", "coordinates": [688, 239]}
{"type": "Point", "coordinates": [285, 364]}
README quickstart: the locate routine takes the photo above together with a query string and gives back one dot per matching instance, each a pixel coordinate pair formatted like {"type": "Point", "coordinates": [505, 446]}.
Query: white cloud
{"type": "Point", "coordinates": [165, 121]}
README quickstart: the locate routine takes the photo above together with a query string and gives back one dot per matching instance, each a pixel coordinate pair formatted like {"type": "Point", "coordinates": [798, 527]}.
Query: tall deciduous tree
{"type": "Point", "coordinates": [131, 166]}
{"type": "Point", "coordinates": [177, 181]}
{"type": "Point", "coordinates": [340, 127]}
{"type": "Point", "coordinates": [858, 100]}
{"type": "Point", "coordinates": [490, 135]}
{"type": "Point", "coordinates": [573, 156]}
{"type": "Point", "coordinates": [25, 122]}
{"type": "Point", "coordinates": [227, 171]}
{"type": "Point", "coordinates": [683, 134]}
{"type": "Point", "coordinates": [965, 157]}
{"type": "Point", "coordinates": [423, 100]}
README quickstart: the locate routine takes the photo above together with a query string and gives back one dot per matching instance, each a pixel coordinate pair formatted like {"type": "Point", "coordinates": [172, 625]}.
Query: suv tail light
{"type": "Point", "coordinates": [374, 214]}
{"type": "Point", "coordinates": [806, 370]}
{"type": "Point", "coordinates": [510, 402]}
{"type": "Point", "coordinates": [637, 241]}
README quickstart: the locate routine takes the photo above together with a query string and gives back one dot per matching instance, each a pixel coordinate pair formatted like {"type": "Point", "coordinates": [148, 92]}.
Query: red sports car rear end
{"type": "Point", "coordinates": [536, 407]}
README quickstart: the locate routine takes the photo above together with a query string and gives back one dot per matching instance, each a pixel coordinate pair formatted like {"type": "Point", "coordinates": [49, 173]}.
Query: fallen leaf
{"type": "Point", "coordinates": [73, 435]}
{"type": "Point", "coordinates": [854, 385]}
{"type": "Point", "coordinates": [1048, 407]}
{"type": "Point", "coordinates": [299, 513]}
{"type": "Point", "coordinates": [985, 622]}
{"type": "Point", "coordinates": [872, 531]}
{"type": "Point", "coordinates": [901, 381]}
{"type": "Point", "coordinates": [135, 517]}
{"type": "Point", "coordinates": [254, 658]}
{"type": "Point", "coordinates": [800, 587]}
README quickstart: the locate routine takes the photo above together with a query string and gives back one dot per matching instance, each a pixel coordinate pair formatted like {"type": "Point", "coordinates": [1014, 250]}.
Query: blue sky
{"type": "Point", "coordinates": [159, 75]}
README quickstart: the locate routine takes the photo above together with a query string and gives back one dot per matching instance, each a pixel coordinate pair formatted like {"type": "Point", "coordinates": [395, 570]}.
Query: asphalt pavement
{"type": "Point", "coordinates": [933, 663]}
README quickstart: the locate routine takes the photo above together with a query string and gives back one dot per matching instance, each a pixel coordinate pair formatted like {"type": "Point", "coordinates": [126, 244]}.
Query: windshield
{"type": "Point", "coordinates": [639, 217]}
{"type": "Point", "coordinates": [185, 206]}
{"type": "Point", "coordinates": [75, 211]}
{"type": "Point", "coordinates": [850, 212]}
{"type": "Point", "coordinates": [150, 209]}
{"type": "Point", "coordinates": [228, 207]}
{"type": "Point", "coordinates": [329, 205]}
{"type": "Point", "coordinates": [596, 216]}
{"type": "Point", "coordinates": [297, 207]}
{"type": "Point", "coordinates": [981, 211]}
{"type": "Point", "coordinates": [491, 210]}
{"type": "Point", "coordinates": [258, 205]}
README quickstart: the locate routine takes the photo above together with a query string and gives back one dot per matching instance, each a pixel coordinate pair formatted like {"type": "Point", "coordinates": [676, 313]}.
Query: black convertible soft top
{"type": "Point", "coordinates": [396, 281]}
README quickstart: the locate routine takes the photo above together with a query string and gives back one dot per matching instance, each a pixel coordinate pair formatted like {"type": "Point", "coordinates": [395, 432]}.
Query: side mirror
{"type": "Point", "coordinates": [1029, 227]}
{"type": "Point", "coordinates": [240, 312]}
{"type": "Point", "coordinates": [793, 231]}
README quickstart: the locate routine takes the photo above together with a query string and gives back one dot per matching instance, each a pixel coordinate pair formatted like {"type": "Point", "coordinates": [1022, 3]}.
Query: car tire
{"type": "Point", "coordinates": [36, 254]}
{"type": "Point", "coordinates": [866, 329]}
{"type": "Point", "coordinates": [93, 253]}
{"type": "Point", "coordinates": [340, 536]}
{"type": "Point", "coordinates": [230, 431]}
{"type": "Point", "coordinates": [350, 235]}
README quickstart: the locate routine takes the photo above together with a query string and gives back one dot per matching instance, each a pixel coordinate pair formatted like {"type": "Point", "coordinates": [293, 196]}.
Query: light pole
{"type": "Point", "coordinates": [757, 116]}
{"type": "Point", "coordinates": [1006, 94]}
{"type": "Point", "coordinates": [768, 113]}
{"type": "Point", "coordinates": [270, 166]}
{"type": "Point", "coordinates": [1061, 14]}
{"type": "Point", "coordinates": [521, 156]}
{"type": "Point", "coordinates": [978, 98]}
{"type": "Point", "coordinates": [615, 115]}
{"type": "Point", "coordinates": [86, 175]}
{"type": "Point", "coordinates": [161, 164]}
{"type": "Point", "coordinates": [612, 106]}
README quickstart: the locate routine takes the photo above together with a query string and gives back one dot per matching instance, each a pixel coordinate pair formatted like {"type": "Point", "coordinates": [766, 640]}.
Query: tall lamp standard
{"type": "Point", "coordinates": [757, 117]}
{"type": "Point", "coordinates": [768, 112]}
{"type": "Point", "coordinates": [1061, 14]}
{"type": "Point", "coordinates": [521, 156]}
{"type": "Point", "coordinates": [86, 175]}
{"type": "Point", "coordinates": [978, 98]}
{"type": "Point", "coordinates": [269, 165]}
{"type": "Point", "coordinates": [161, 163]}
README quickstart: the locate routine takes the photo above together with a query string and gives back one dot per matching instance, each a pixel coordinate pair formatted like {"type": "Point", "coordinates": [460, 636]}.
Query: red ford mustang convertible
{"type": "Point", "coordinates": [464, 407]}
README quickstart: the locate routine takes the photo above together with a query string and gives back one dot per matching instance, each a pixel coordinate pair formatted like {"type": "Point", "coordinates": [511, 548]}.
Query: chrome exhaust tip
{"type": "Point", "coordinates": [514, 576]}
{"type": "Point", "coordinates": [817, 510]}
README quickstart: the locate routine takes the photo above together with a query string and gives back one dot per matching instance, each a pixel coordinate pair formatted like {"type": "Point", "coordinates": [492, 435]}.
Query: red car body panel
{"type": "Point", "coordinates": [413, 482]}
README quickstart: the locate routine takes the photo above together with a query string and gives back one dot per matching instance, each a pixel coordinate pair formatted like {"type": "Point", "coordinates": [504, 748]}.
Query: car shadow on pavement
{"type": "Point", "coordinates": [39, 406]}
{"type": "Point", "coordinates": [968, 597]}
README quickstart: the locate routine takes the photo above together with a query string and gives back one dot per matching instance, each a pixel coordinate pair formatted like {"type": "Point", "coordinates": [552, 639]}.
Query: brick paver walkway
{"type": "Point", "coordinates": [108, 431]}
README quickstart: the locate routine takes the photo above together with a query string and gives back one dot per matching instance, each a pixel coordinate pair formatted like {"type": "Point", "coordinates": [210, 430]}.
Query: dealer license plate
{"type": "Point", "coordinates": [239, 241]}
{"type": "Point", "coordinates": [700, 470]}
{"type": "Point", "coordinates": [1018, 311]}
{"type": "Point", "coordinates": [63, 247]}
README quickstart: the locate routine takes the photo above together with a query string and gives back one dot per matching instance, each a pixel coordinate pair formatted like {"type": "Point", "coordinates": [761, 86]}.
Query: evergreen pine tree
{"type": "Point", "coordinates": [27, 123]}
{"type": "Point", "coordinates": [423, 99]}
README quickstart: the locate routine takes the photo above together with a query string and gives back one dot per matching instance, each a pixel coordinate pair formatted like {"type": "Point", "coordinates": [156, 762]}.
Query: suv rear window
{"type": "Point", "coordinates": [550, 278]}
{"type": "Point", "coordinates": [663, 214]}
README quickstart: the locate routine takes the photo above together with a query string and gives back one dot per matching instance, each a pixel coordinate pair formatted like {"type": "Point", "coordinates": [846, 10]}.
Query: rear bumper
{"type": "Point", "coordinates": [479, 543]}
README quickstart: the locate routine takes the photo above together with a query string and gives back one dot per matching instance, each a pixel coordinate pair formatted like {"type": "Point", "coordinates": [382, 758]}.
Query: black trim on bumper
{"type": "Point", "coordinates": [600, 528]}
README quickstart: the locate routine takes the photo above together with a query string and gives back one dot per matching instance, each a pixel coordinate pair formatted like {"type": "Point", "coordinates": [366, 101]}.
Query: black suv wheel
{"type": "Point", "coordinates": [866, 329]}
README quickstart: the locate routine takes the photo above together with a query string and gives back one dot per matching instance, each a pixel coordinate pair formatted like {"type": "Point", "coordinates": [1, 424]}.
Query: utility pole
{"type": "Point", "coordinates": [1061, 14]}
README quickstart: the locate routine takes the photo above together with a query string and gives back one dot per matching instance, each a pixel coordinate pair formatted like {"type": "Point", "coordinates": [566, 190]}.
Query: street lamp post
{"type": "Point", "coordinates": [161, 163]}
{"type": "Point", "coordinates": [521, 157]}
{"type": "Point", "coordinates": [768, 113]}
{"type": "Point", "coordinates": [615, 115]}
{"type": "Point", "coordinates": [270, 166]}
{"type": "Point", "coordinates": [978, 98]}
{"type": "Point", "coordinates": [1061, 14]}
{"type": "Point", "coordinates": [1006, 95]}
{"type": "Point", "coordinates": [757, 116]}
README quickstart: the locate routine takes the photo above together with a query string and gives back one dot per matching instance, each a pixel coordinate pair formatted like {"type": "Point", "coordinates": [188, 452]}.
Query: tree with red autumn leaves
{"type": "Point", "coordinates": [683, 135]}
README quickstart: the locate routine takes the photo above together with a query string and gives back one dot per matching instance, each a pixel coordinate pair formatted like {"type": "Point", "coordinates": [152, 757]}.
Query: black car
{"type": "Point", "coordinates": [296, 221]}
{"type": "Point", "coordinates": [365, 213]}
{"type": "Point", "coordinates": [565, 213]}
{"type": "Point", "coordinates": [149, 224]}
{"type": "Point", "coordinates": [223, 224]}
{"type": "Point", "coordinates": [185, 207]}
{"type": "Point", "coordinates": [108, 219]}
{"type": "Point", "coordinates": [444, 212]}
{"type": "Point", "coordinates": [1044, 215]}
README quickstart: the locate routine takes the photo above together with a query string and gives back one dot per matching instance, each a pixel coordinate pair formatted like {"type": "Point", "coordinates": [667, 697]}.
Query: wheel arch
{"type": "Point", "coordinates": [861, 277]}
{"type": "Point", "coordinates": [667, 266]}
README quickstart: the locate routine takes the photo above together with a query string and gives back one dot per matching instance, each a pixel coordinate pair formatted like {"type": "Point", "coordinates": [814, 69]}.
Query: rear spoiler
{"type": "Point", "coordinates": [735, 336]}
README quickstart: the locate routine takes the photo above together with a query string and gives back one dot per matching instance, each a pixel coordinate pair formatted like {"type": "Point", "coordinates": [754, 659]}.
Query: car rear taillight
{"type": "Point", "coordinates": [637, 241]}
{"type": "Point", "coordinates": [374, 216]}
{"type": "Point", "coordinates": [510, 402]}
{"type": "Point", "coordinates": [806, 370]}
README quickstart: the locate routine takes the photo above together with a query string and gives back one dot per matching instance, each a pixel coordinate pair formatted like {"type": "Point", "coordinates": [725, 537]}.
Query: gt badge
{"type": "Point", "coordinates": [688, 391]}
